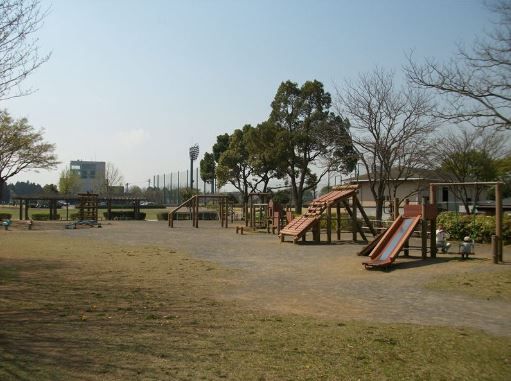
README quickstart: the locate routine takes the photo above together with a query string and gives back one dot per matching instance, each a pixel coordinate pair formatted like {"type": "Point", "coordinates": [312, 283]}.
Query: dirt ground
{"type": "Point", "coordinates": [324, 280]}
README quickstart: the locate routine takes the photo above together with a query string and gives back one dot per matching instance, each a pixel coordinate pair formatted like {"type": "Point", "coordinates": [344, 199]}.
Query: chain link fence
{"type": "Point", "coordinates": [171, 188]}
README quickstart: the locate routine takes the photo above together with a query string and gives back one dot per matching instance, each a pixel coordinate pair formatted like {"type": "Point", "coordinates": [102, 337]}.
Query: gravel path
{"type": "Point", "coordinates": [324, 280]}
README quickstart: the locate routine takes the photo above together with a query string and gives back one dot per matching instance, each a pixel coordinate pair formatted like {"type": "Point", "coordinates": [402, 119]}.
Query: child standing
{"type": "Point", "coordinates": [467, 247]}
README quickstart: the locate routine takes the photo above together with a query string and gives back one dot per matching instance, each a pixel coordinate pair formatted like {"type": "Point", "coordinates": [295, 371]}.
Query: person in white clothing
{"type": "Point", "coordinates": [441, 239]}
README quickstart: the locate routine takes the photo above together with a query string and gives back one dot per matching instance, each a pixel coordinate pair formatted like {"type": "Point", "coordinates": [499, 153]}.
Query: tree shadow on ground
{"type": "Point", "coordinates": [403, 263]}
{"type": "Point", "coordinates": [50, 331]}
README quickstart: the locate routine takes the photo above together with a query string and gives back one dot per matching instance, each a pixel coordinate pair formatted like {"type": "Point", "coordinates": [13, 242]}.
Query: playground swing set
{"type": "Point", "coordinates": [497, 239]}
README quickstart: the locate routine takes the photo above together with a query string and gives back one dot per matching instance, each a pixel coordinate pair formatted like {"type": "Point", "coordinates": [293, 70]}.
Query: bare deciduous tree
{"type": "Point", "coordinates": [476, 84]}
{"type": "Point", "coordinates": [468, 155]}
{"type": "Point", "coordinates": [113, 178]}
{"type": "Point", "coordinates": [390, 127]}
{"type": "Point", "coordinates": [19, 53]}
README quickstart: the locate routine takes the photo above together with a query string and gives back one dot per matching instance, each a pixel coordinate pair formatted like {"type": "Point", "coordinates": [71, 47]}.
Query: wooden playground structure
{"type": "Point", "coordinates": [83, 201]}
{"type": "Point", "coordinates": [385, 248]}
{"type": "Point", "coordinates": [311, 220]}
{"type": "Point", "coordinates": [266, 213]}
{"type": "Point", "coordinates": [88, 206]}
{"type": "Point", "coordinates": [224, 204]}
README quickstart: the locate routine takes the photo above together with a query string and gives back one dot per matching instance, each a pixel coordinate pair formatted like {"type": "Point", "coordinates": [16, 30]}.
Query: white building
{"type": "Point", "coordinates": [414, 187]}
{"type": "Point", "coordinates": [90, 173]}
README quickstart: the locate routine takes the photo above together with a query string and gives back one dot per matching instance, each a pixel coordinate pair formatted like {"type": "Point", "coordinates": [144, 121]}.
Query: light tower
{"type": "Point", "coordinates": [194, 154]}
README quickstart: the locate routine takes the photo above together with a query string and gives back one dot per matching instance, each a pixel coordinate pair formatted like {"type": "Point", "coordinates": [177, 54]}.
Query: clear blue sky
{"type": "Point", "coordinates": [138, 82]}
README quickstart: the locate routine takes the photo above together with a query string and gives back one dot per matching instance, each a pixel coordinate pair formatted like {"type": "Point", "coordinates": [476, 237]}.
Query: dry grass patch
{"type": "Point", "coordinates": [483, 285]}
{"type": "Point", "coordinates": [89, 310]}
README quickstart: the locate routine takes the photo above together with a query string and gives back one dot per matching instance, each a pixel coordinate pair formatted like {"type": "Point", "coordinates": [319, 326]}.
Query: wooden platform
{"type": "Point", "coordinates": [299, 226]}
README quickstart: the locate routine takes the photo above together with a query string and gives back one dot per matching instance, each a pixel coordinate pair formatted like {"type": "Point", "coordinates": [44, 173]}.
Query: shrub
{"type": "Point", "coordinates": [162, 216]}
{"type": "Point", "coordinates": [479, 227]}
{"type": "Point", "coordinates": [124, 215]}
{"type": "Point", "coordinates": [43, 216]}
{"type": "Point", "coordinates": [5, 216]}
{"type": "Point", "coordinates": [346, 222]}
{"type": "Point", "coordinates": [74, 216]}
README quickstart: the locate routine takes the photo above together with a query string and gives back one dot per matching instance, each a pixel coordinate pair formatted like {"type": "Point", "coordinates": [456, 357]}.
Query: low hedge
{"type": "Point", "coordinates": [5, 216]}
{"type": "Point", "coordinates": [162, 216]}
{"type": "Point", "coordinates": [44, 216]}
{"type": "Point", "coordinates": [480, 227]}
{"type": "Point", "coordinates": [130, 206]}
{"type": "Point", "coordinates": [346, 223]}
{"type": "Point", "coordinates": [124, 215]}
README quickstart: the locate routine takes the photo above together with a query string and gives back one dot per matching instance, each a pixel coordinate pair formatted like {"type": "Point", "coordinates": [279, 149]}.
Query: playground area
{"type": "Point", "coordinates": [136, 299]}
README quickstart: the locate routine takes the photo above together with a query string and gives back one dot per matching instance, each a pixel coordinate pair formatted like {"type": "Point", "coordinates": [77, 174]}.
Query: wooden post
{"type": "Point", "coordinates": [432, 238]}
{"type": "Point", "coordinates": [226, 213]}
{"type": "Point", "coordinates": [317, 231]}
{"type": "Point", "coordinates": [26, 209]}
{"type": "Point", "coordinates": [364, 215]}
{"type": "Point", "coordinates": [354, 226]}
{"type": "Point", "coordinates": [494, 248]}
{"type": "Point", "coordinates": [192, 211]}
{"type": "Point", "coordinates": [21, 209]}
{"type": "Point", "coordinates": [355, 223]}
{"type": "Point", "coordinates": [221, 210]}
{"type": "Point", "coordinates": [328, 224]}
{"type": "Point", "coordinates": [406, 246]}
{"type": "Point", "coordinates": [432, 242]}
{"type": "Point", "coordinates": [252, 213]}
{"type": "Point", "coordinates": [424, 231]}
{"type": "Point", "coordinates": [396, 208]}
{"type": "Point", "coordinates": [268, 220]}
{"type": "Point", "coordinates": [171, 220]}
{"type": "Point", "coordinates": [498, 219]}
{"type": "Point", "coordinates": [196, 211]}
{"type": "Point", "coordinates": [338, 211]}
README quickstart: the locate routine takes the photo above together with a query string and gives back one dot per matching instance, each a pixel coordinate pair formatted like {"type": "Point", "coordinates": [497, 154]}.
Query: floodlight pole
{"type": "Point", "coordinates": [194, 154]}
